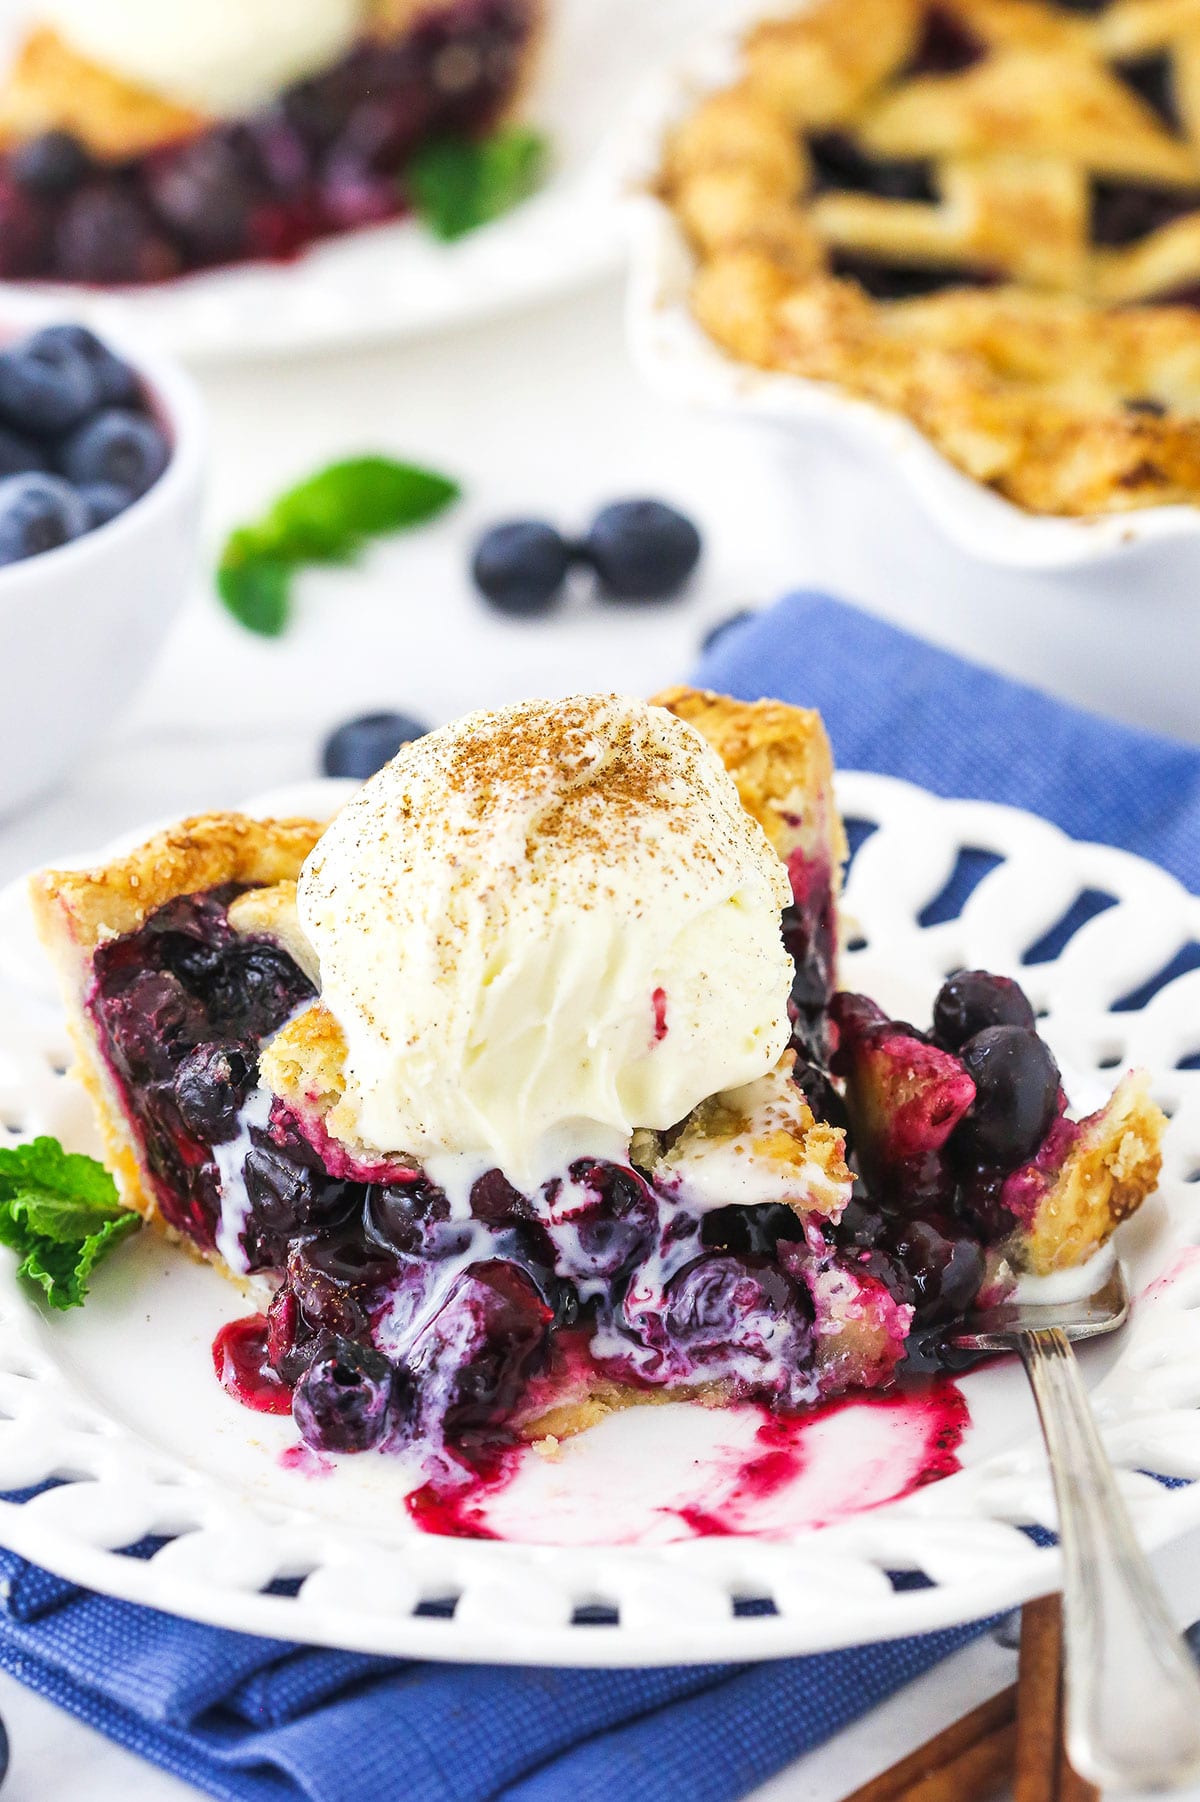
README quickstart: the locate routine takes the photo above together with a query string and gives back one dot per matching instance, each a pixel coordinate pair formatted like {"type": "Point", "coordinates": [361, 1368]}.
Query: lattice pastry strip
{"type": "Point", "coordinates": [999, 176]}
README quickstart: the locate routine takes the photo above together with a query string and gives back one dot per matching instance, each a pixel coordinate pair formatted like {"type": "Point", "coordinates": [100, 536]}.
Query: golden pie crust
{"type": "Point", "coordinates": [1071, 384]}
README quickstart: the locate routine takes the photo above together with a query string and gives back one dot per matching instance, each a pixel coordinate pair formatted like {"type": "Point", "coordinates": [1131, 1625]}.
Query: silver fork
{"type": "Point", "coordinates": [1132, 1687]}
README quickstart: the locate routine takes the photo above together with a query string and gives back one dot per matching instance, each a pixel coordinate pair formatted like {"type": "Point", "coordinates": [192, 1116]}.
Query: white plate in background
{"type": "Point", "coordinates": [396, 280]}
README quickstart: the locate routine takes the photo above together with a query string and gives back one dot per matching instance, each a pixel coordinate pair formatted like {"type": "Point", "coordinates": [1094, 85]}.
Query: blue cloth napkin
{"type": "Point", "coordinates": [255, 1720]}
{"type": "Point", "coordinates": [894, 703]}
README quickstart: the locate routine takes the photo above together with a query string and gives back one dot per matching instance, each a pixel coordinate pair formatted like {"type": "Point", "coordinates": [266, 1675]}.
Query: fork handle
{"type": "Point", "coordinates": [1132, 1688]}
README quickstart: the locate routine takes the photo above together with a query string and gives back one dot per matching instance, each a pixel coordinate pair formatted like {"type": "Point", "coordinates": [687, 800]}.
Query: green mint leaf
{"type": "Point", "coordinates": [62, 1271]}
{"type": "Point", "coordinates": [459, 184]}
{"type": "Point", "coordinates": [325, 519]}
{"type": "Point", "coordinates": [257, 591]}
{"type": "Point", "coordinates": [60, 1211]}
{"type": "Point", "coordinates": [328, 517]}
{"type": "Point", "coordinates": [43, 1168]}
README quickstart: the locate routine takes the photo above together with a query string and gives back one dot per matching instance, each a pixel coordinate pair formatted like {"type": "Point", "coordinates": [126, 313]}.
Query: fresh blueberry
{"type": "Point", "coordinates": [52, 163]}
{"type": "Point", "coordinates": [1016, 1092]}
{"type": "Point", "coordinates": [972, 999]}
{"type": "Point", "coordinates": [116, 446]}
{"type": "Point", "coordinates": [116, 383]}
{"type": "Point", "coordinates": [520, 566]}
{"type": "Point", "coordinates": [37, 512]}
{"type": "Point", "coordinates": [46, 387]}
{"type": "Point", "coordinates": [343, 1400]}
{"type": "Point", "coordinates": [19, 454]}
{"type": "Point", "coordinates": [211, 1086]}
{"type": "Point", "coordinates": [362, 746]}
{"type": "Point", "coordinates": [642, 550]}
{"type": "Point", "coordinates": [103, 500]}
{"type": "Point", "coordinates": [716, 633]}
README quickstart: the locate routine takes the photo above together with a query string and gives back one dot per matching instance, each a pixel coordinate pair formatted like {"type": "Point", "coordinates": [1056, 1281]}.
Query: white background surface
{"type": "Point", "coordinates": [538, 414]}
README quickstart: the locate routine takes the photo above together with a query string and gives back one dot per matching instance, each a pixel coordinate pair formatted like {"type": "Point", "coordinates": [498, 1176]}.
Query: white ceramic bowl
{"type": "Point", "coordinates": [1102, 609]}
{"type": "Point", "coordinates": [81, 625]}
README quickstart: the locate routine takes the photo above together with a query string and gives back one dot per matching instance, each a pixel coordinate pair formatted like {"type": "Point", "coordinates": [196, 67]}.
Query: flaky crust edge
{"type": "Point", "coordinates": [76, 910]}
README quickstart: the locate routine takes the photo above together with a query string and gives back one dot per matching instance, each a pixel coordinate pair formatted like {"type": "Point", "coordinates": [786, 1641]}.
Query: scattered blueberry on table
{"type": "Point", "coordinates": [641, 550]}
{"type": "Point", "coordinates": [78, 444]}
{"type": "Point", "coordinates": [637, 550]}
{"type": "Point", "coordinates": [521, 566]}
{"type": "Point", "coordinates": [361, 746]}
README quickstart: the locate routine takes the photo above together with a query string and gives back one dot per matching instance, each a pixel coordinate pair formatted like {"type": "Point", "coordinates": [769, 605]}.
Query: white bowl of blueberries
{"type": "Point", "coordinates": [101, 461]}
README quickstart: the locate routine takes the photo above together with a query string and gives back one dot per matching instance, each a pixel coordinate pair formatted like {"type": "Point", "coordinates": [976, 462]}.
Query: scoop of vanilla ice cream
{"type": "Point", "coordinates": [220, 57]}
{"type": "Point", "coordinates": [542, 927]}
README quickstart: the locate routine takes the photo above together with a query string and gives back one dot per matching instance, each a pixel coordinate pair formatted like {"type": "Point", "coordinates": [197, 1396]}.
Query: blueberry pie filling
{"type": "Point", "coordinates": [809, 1228]}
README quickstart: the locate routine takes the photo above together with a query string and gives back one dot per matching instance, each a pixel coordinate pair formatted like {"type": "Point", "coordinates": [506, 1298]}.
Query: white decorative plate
{"type": "Point", "coordinates": [395, 280]}
{"type": "Point", "coordinates": [681, 361]}
{"type": "Point", "coordinates": [118, 1401]}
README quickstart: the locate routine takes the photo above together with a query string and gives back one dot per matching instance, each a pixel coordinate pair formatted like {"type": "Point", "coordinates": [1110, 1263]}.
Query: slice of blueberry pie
{"type": "Point", "coordinates": [140, 139]}
{"type": "Point", "coordinates": [522, 1091]}
{"type": "Point", "coordinates": [982, 214]}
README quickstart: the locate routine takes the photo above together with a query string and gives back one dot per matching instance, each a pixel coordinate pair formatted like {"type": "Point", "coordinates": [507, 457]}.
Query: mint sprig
{"type": "Point", "coordinates": [326, 519]}
{"type": "Point", "coordinates": [459, 184]}
{"type": "Point", "coordinates": [60, 1211]}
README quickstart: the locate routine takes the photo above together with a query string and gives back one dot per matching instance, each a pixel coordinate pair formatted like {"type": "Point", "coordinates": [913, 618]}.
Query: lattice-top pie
{"type": "Point", "coordinates": [983, 214]}
{"type": "Point", "coordinates": [497, 1087]}
{"type": "Point", "coordinates": [144, 138]}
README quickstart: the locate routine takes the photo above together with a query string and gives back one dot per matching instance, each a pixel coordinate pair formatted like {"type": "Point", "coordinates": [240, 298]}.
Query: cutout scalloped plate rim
{"type": "Point", "coordinates": [515, 1601]}
{"type": "Point", "coordinates": [678, 359]}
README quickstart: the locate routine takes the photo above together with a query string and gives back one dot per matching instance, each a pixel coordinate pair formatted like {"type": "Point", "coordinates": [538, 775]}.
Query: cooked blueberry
{"type": "Point", "coordinates": [46, 387]}
{"type": "Point", "coordinates": [476, 1356]}
{"type": "Point", "coordinates": [116, 446]}
{"type": "Point", "coordinates": [106, 235]}
{"type": "Point", "coordinates": [494, 1199]}
{"type": "Point", "coordinates": [51, 163]}
{"type": "Point", "coordinates": [335, 1274]}
{"type": "Point", "coordinates": [716, 633]}
{"type": "Point", "coordinates": [755, 1230]}
{"type": "Point", "coordinates": [200, 190]}
{"type": "Point", "coordinates": [23, 232]}
{"type": "Point", "coordinates": [103, 501]}
{"type": "Point", "coordinates": [945, 1266]}
{"type": "Point", "coordinates": [254, 988]}
{"type": "Point", "coordinates": [362, 746]}
{"type": "Point", "coordinates": [37, 512]}
{"type": "Point", "coordinates": [972, 999]}
{"type": "Point", "coordinates": [745, 1318]}
{"type": "Point", "coordinates": [521, 566]}
{"type": "Point", "coordinates": [116, 383]}
{"type": "Point", "coordinates": [404, 1216]}
{"type": "Point", "coordinates": [289, 1192]}
{"type": "Point", "coordinates": [211, 1086]}
{"type": "Point", "coordinates": [1016, 1092]}
{"type": "Point", "coordinates": [642, 550]}
{"type": "Point", "coordinates": [19, 454]}
{"type": "Point", "coordinates": [292, 1341]}
{"type": "Point", "coordinates": [344, 1398]}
